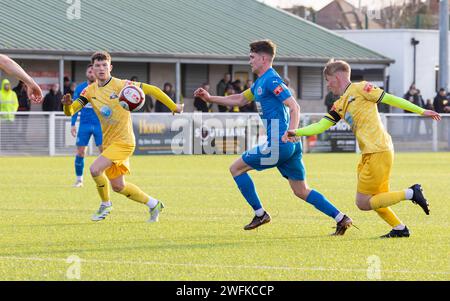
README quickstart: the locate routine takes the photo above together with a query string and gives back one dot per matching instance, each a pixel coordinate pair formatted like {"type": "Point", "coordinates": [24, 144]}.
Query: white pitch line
{"type": "Point", "coordinates": [190, 265]}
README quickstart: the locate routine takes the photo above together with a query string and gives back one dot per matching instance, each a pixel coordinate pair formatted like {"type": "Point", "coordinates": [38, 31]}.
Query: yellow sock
{"type": "Point", "coordinates": [102, 187]}
{"type": "Point", "coordinates": [389, 216]}
{"type": "Point", "coordinates": [386, 199]}
{"type": "Point", "coordinates": [134, 193]}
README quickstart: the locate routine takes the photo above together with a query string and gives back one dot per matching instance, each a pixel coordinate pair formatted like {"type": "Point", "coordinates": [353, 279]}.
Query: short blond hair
{"type": "Point", "coordinates": [334, 66]}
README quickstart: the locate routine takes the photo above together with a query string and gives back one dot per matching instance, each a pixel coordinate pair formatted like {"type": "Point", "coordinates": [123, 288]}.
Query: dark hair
{"type": "Point", "coordinates": [264, 46]}
{"type": "Point", "coordinates": [101, 56]}
{"type": "Point", "coordinates": [168, 84]}
{"type": "Point", "coordinates": [89, 66]}
{"type": "Point", "coordinates": [441, 89]}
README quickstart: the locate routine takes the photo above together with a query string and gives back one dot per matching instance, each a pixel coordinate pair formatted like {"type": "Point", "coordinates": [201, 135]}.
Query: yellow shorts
{"type": "Point", "coordinates": [119, 154]}
{"type": "Point", "coordinates": [374, 171]}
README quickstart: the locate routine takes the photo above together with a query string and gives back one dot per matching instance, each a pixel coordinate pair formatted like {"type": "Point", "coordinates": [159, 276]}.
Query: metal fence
{"type": "Point", "coordinates": [48, 133]}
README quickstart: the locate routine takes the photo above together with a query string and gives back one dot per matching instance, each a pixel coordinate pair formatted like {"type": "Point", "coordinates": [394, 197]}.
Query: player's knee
{"type": "Point", "coordinates": [362, 205]}
{"type": "Point", "coordinates": [95, 171]}
{"type": "Point", "coordinates": [234, 171]}
{"type": "Point", "coordinates": [117, 187]}
{"type": "Point", "coordinates": [301, 193]}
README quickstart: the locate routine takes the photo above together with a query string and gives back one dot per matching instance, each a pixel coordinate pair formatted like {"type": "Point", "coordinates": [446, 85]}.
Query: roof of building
{"type": "Point", "coordinates": [200, 29]}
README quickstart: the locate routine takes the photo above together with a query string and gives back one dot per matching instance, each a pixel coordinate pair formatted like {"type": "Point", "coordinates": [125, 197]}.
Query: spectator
{"type": "Point", "coordinates": [148, 105]}
{"type": "Point", "coordinates": [21, 92]}
{"type": "Point", "coordinates": [428, 124]}
{"type": "Point", "coordinates": [8, 101]}
{"type": "Point", "coordinates": [413, 96]}
{"type": "Point", "coordinates": [230, 91]}
{"type": "Point", "coordinates": [24, 106]}
{"type": "Point", "coordinates": [72, 87]}
{"type": "Point", "coordinates": [52, 101]}
{"type": "Point", "coordinates": [221, 88]}
{"type": "Point", "coordinates": [168, 89]}
{"type": "Point", "coordinates": [330, 98]}
{"type": "Point", "coordinates": [248, 84]}
{"type": "Point", "coordinates": [200, 104]}
{"type": "Point", "coordinates": [441, 102]}
{"type": "Point", "coordinates": [237, 86]}
{"type": "Point", "coordinates": [66, 85]}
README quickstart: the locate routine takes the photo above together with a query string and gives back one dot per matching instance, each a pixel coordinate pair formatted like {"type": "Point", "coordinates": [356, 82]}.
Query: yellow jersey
{"type": "Point", "coordinates": [115, 121]}
{"type": "Point", "coordinates": [358, 107]}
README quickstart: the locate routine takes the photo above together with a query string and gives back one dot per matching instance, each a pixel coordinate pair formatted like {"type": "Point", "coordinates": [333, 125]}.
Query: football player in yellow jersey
{"type": "Point", "coordinates": [357, 105]}
{"type": "Point", "coordinates": [118, 137]}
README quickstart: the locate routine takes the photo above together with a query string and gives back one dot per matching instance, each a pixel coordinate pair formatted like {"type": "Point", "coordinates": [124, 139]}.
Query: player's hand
{"type": "Point", "coordinates": [34, 92]}
{"type": "Point", "coordinates": [290, 136]}
{"type": "Point", "coordinates": [203, 94]}
{"type": "Point", "coordinates": [179, 110]}
{"type": "Point", "coordinates": [73, 131]}
{"type": "Point", "coordinates": [432, 114]}
{"type": "Point", "coordinates": [67, 100]}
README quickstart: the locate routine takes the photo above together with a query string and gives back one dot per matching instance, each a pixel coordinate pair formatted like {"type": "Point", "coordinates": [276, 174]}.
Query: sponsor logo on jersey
{"type": "Point", "coordinates": [113, 96]}
{"type": "Point", "coordinates": [278, 90]}
{"type": "Point", "coordinates": [106, 112]}
{"type": "Point", "coordinates": [368, 88]}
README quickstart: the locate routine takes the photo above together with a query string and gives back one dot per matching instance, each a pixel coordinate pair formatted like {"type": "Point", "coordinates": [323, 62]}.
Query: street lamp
{"type": "Point", "coordinates": [414, 42]}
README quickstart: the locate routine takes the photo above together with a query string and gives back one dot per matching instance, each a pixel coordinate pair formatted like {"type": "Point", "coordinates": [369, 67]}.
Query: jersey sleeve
{"type": "Point", "coordinates": [370, 92]}
{"type": "Point", "coordinates": [278, 89]}
{"type": "Point", "coordinates": [338, 108]}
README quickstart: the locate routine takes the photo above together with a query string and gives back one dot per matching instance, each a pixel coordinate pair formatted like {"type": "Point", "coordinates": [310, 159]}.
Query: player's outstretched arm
{"type": "Point", "coordinates": [70, 107]}
{"type": "Point", "coordinates": [312, 129]}
{"type": "Point", "coordinates": [231, 100]}
{"type": "Point", "coordinates": [401, 103]}
{"type": "Point", "coordinates": [9, 66]}
{"type": "Point", "coordinates": [159, 95]}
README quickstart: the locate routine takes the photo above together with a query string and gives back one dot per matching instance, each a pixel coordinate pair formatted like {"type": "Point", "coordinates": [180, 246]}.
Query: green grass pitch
{"type": "Point", "coordinates": [44, 221]}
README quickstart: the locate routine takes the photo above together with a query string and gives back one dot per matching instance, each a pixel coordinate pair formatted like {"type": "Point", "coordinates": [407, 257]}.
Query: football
{"type": "Point", "coordinates": [132, 98]}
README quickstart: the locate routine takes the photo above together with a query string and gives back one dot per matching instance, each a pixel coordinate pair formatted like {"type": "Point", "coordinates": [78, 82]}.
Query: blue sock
{"type": "Point", "coordinates": [247, 188]}
{"type": "Point", "coordinates": [322, 204]}
{"type": "Point", "coordinates": [79, 166]}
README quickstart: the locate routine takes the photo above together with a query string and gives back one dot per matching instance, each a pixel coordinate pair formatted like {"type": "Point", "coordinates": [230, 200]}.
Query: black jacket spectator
{"type": "Point", "coordinates": [22, 97]}
{"type": "Point", "coordinates": [159, 106]}
{"type": "Point", "coordinates": [440, 101]}
{"type": "Point", "coordinates": [52, 101]}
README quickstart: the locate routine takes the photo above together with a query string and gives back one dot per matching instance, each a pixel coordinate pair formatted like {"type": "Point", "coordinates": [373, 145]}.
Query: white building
{"type": "Point", "coordinates": [396, 44]}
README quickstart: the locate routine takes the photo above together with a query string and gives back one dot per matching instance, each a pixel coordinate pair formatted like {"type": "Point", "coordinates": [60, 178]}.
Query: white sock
{"type": "Point", "coordinates": [339, 217]}
{"type": "Point", "coordinates": [152, 203]}
{"type": "Point", "coordinates": [400, 227]}
{"type": "Point", "coordinates": [260, 212]}
{"type": "Point", "coordinates": [80, 178]}
{"type": "Point", "coordinates": [108, 203]}
{"type": "Point", "coordinates": [409, 193]}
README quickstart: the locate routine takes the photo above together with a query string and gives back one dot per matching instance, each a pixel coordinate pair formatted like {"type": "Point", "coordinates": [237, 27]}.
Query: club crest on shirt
{"type": "Point", "coordinates": [259, 91]}
{"type": "Point", "coordinates": [113, 96]}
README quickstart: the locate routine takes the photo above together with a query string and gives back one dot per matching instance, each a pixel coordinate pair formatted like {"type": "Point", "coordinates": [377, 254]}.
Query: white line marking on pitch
{"type": "Point", "coordinates": [96, 261]}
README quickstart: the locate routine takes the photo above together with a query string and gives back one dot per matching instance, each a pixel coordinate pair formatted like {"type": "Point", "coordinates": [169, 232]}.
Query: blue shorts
{"type": "Point", "coordinates": [287, 158]}
{"type": "Point", "coordinates": [84, 134]}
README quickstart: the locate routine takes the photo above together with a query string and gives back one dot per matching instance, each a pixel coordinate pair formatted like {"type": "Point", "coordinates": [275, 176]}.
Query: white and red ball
{"type": "Point", "coordinates": [132, 98]}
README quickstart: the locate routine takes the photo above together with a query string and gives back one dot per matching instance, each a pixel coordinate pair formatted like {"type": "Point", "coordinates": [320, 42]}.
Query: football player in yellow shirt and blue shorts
{"type": "Point", "coordinates": [118, 137]}
{"type": "Point", "coordinates": [357, 105]}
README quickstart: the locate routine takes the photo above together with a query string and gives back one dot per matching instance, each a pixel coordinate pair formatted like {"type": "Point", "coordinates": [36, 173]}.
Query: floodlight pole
{"type": "Point", "coordinates": [443, 44]}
